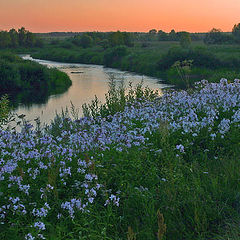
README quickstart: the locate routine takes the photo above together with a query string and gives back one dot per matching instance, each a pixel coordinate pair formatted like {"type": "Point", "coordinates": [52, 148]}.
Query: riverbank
{"type": "Point", "coordinates": [93, 80]}
{"type": "Point", "coordinates": [154, 59]}
{"type": "Point", "coordinates": [27, 81]}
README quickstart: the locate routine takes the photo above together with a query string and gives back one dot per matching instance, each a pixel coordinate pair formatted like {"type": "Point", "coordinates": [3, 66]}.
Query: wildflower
{"type": "Point", "coordinates": [39, 225]}
{"type": "Point", "coordinates": [180, 147]}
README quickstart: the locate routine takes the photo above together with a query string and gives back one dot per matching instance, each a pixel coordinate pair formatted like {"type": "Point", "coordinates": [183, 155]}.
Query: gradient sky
{"type": "Point", "coordinates": [123, 15]}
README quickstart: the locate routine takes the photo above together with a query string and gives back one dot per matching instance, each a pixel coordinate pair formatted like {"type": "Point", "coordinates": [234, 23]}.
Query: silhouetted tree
{"type": "Point", "coordinates": [29, 39]}
{"type": "Point", "coordinates": [22, 36]}
{"type": "Point", "coordinates": [5, 39]}
{"type": "Point", "coordinates": [104, 43]}
{"type": "Point", "coordinates": [86, 41]}
{"type": "Point", "coordinates": [116, 38]}
{"type": "Point", "coordinates": [172, 35]}
{"type": "Point", "coordinates": [236, 32]}
{"type": "Point", "coordinates": [162, 36]}
{"type": "Point", "coordinates": [14, 37]}
{"type": "Point", "coordinates": [152, 31]}
{"type": "Point", "coordinates": [215, 36]}
{"type": "Point", "coordinates": [185, 39]}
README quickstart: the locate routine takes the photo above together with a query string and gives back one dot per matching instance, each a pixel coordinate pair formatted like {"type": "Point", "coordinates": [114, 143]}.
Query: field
{"type": "Point", "coordinates": [142, 166]}
{"type": "Point", "coordinates": [154, 58]}
{"type": "Point", "coordinates": [139, 167]}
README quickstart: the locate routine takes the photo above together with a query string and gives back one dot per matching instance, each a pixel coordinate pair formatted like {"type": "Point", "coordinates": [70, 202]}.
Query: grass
{"type": "Point", "coordinates": [139, 167]}
{"type": "Point", "coordinates": [148, 60]}
{"type": "Point", "coordinates": [28, 81]}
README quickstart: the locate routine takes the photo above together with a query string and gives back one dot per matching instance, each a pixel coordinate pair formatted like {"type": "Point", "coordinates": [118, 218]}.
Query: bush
{"type": "Point", "coordinates": [200, 56]}
{"type": "Point", "coordinates": [21, 75]}
{"type": "Point", "coordinates": [114, 55]}
{"type": "Point", "coordinates": [9, 76]}
{"type": "Point", "coordinates": [4, 110]}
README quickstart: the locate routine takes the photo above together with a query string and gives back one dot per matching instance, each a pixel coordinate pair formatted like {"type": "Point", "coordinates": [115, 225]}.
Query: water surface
{"type": "Point", "coordinates": [87, 81]}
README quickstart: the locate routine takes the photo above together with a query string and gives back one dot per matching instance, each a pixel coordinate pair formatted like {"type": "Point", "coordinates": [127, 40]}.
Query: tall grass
{"type": "Point", "coordinates": [155, 59]}
{"type": "Point", "coordinates": [145, 167]}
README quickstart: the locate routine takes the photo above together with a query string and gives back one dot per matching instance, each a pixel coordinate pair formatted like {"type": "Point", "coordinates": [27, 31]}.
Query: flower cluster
{"type": "Point", "coordinates": [48, 173]}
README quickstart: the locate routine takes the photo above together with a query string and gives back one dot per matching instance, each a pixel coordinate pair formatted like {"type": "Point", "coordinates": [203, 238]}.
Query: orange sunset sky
{"type": "Point", "coordinates": [123, 15]}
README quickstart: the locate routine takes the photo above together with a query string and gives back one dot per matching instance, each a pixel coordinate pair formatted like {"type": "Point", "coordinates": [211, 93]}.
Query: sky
{"type": "Point", "coordinates": [123, 15]}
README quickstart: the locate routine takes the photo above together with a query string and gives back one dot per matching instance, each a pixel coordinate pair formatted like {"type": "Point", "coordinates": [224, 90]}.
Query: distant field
{"type": "Point", "coordinates": [146, 55]}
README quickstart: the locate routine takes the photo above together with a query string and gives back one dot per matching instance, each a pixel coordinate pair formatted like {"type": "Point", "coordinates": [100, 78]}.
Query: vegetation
{"type": "Point", "coordinates": [236, 32]}
{"type": "Point", "coordinates": [4, 110]}
{"type": "Point", "coordinates": [153, 53]}
{"type": "Point", "coordinates": [144, 167]}
{"type": "Point", "coordinates": [29, 78]}
{"type": "Point", "coordinates": [139, 166]}
{"type": "Point", "coordinates": [20, 38]}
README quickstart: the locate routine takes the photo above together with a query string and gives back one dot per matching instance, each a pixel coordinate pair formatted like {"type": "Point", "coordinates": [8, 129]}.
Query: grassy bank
{"type": "Point", "coordinates": [139, 167]}
{"type": "Point", "coordinates": [153, 58]}
{"type": "Point", "coordinates": [24, 79]}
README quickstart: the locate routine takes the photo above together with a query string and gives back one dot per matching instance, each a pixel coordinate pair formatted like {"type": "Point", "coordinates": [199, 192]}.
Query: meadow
{"type": "Point", "coordinates": [153, 58]}
{"type": "Point", "coordinates": [141, 166]}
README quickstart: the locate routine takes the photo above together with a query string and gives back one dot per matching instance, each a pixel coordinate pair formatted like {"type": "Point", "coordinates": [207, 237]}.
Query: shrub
{"type": "Point", "coordinates": [200, 56]}
{"type": "Point", "coordinates": [114, 55]}
{"type": "Point", "coordinates": [4, 110]}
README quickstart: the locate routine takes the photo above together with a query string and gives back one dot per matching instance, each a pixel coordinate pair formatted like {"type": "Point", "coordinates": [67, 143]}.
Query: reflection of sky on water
{"type": "Point", "coordinates": [93, 80]}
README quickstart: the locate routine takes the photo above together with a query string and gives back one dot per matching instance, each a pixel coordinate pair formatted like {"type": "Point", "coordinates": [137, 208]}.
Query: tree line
{"type": "Point", "coordinates": [19, 38]}
{"type": "Point", "coordinates": [214, 36]}
{"type": "Point", "coordinates": [105, 40]}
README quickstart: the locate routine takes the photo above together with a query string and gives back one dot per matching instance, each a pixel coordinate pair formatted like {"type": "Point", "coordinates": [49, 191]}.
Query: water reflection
{"type": "Point", "coordinates": [87, 81]}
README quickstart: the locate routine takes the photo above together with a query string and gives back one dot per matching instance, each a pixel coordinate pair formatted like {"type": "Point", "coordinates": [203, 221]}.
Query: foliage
{"type": "Point", "coordinates": [117, 98]}
{"type": "Point", "coordinates": [162, 36]}
{"type": "Point", "coordinates": [185, 39]}
{"type": "Point", "coordinates": [200, 56]}
{"type": "Point", "coordinates": [184, 69]}
{"type": "Point", "coordinates": [236, 32]}
{"type": "Point", "coordinates": [165, 168]}
{"type": "Point", "coordinates": [20, 38]}
{"type": "Point", "coordinates": [113, 55]}
{"type": "Point", "coordinates": [152, 31]}
{"type": "Point", "coordinates": [216, 36]}
{"type": "Point", "coordinates": [120, 38]}
{"type": "Point", "coordinates": [84, 41]}
{"type": "Point", "coordinates": [17, 75]}
{"type": "Point", "coordinates": [4, 110]}
{"type": "Point", "coordinates": [150, 56]}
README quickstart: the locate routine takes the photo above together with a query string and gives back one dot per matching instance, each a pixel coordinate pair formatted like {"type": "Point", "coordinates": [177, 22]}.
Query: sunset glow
{"type": "Point", "coordinates": [124, 15]}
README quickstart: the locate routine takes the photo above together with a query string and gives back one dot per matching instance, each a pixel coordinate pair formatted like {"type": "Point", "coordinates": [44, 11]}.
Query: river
{"type": "Point", "coordinates": [87, 81]}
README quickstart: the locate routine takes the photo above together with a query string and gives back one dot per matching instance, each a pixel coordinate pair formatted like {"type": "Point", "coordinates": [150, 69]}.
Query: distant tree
{"type": "Point", "coordinates": [5, 39]}
{"type": "Point", "coordinates": [152, 31]}
{"type": "Point", "coordinates": [120, 38]}
{"type": "Point", "coordinates": [172, 35]}
{"type": "Point", "coordinates": [30, 39]}
{"type": "Point", "coordinates": [22, 36]}
{"type": "Point", "coordinates": [116, 39]}
{"type": "Point", "coordinates": [215, 36]}
{"type": "Point", "coordinates": [104, 43]}
{"type": "Point", "coordinates": [114, 54]}
{"type": "Point", "coordinates": [185, 40]}
{"type": "Point", "coordinates": [162, 36]}
{"type": "Point", "coordinates": [14, 37]}
{"type": "Point", "coordinates": [236, 32]}
{"type": "Point", "coordinates": [128, 39]}
{"type": "Point", "coordinates": [86, 41]}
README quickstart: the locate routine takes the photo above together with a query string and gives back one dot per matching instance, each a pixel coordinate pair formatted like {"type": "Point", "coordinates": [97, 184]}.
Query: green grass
{"type": "Point", "coordinates": [29, 81]}
{"type": "Point", "coordinates": [146, 60]}
{"type": "Point", "coordinates": [196, 191]}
